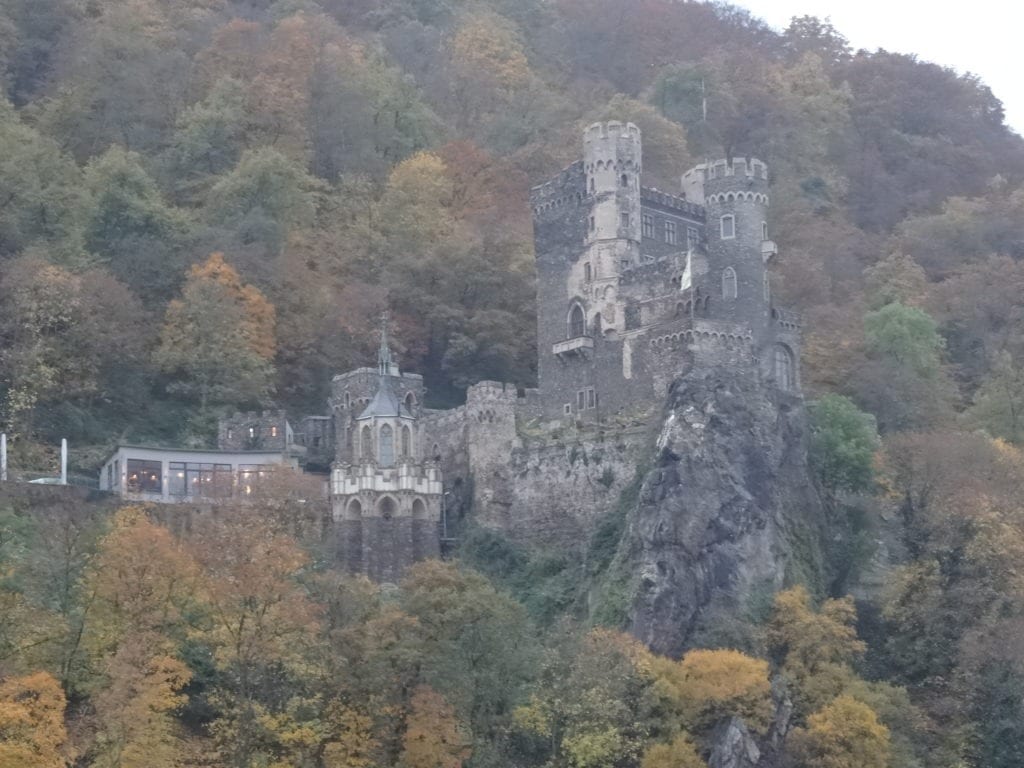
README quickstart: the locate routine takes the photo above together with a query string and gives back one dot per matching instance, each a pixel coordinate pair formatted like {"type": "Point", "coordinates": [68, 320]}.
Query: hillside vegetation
{"type": "Point", "coordinates": [206, 204]}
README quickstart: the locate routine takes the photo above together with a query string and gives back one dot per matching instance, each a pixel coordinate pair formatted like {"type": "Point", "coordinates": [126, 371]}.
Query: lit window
{"type": "Point", "coordinates": [670, 232]}
{"type": "Point", "coordinates": [648, 225]}
{"type": "Point", "coordinates": [728, 227]}
{"type": "Point", "coordinates": [252, 432]}
{"type": "Point", "coordinates": [145, 476]}
{"type": "Point", "coordinates": [273, 431]}
{"type": "Point", "coordinates": [231, 434]}
{"type": "Point", "coordinates": [729, 283]}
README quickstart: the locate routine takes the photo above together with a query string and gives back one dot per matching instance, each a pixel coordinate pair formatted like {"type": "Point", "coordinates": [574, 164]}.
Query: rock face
{"type": "Point", "coordinates": [734, 746]}
{"type": "Point", "coordinates": [728, 513]}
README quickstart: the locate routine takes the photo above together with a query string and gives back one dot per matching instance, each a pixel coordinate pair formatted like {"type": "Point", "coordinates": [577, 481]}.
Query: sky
{"type": "Point", "coordinates": [982, 37]}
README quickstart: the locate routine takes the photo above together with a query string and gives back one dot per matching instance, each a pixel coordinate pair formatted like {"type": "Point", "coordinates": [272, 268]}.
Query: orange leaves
{"type": "Point", "coordinates": [486, 48]}
{"type": "Point", "coordinates": [31, 722]}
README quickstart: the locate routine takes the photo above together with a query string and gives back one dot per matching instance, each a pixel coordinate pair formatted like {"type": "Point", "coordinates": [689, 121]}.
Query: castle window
{"type": "Point", "coordinates": [592, 225]}
{"type": "Point", "coordinates": [729, 283]}
{"type": "Point", "coordinates": [387, 446]}
{"type": "Point", "coordinates": [624, 218]}
{"type": "Point", "coordinates": [567, 409]}
{"type": "Point", "coordinates": [581, 400]}
{"type": "Point", "coordinates": [670, 232]}
{"type": "Point", "coordinates": [252, 433]}
{"type": "Point", "coordinates": [648, 225]}
{"type": "Point", "coordinates": [273, 431]}
{"type": "Point", "coordinates": [366, 447]}
{"type": "Point", "coordinates": [587, 275]}
{"type": "Point", "coordinates": [591, 398]}
{"type": "Point", "coordinates": [625, 180]}
{"type": "Point", "coordinates": [231, 434]}
{"type": "Point", "coordinates": [406, 442]}
{"type": "Point", "coordinates": [728, 225]}
{"type": "Point", "coordinates": [785, 377]}
{"type": "Point", "coordinates": [577, 322]}
{"type": "Point", "coordinates": [410, 402]}
{"type": "Point", "coordinates": [692, 237]}
{"type": "Point", "coordinates": [764, 230]}
{"type": "Point", "coordinates": [767, 288]}
{"type": "Point", "coordinates": [348, 400]}
{"type": "Point", "coordinates": [591, 184]}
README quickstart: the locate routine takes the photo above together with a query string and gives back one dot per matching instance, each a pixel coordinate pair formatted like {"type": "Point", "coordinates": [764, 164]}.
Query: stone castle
{"type": "Point", "coordinates": [636, 287]}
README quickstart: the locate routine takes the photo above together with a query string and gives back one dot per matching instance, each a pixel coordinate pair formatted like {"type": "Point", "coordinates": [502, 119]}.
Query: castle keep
{"type": "Point", "coordinates": [636, 287]}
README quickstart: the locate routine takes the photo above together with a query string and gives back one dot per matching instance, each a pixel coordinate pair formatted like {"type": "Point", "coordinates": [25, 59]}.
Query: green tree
{"type": "Point", "coordinates": [218, 339]}
{"type": "Point", "coordinates": [843, 444]}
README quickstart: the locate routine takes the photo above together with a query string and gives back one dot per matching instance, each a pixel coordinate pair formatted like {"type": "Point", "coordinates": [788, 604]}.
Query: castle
{"type": "Point", "coordinates": [636, 287]}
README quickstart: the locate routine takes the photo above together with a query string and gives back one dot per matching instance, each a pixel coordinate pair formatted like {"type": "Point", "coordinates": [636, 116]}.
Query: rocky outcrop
{"type": "Point", "coordinates": [728, 513]}
{"type": "Point", "coordinates": [734, 746]}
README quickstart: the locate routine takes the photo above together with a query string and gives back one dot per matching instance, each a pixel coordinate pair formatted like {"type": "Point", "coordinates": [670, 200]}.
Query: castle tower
{"type": "Point", "coordinates": [736, 201]}
{"type": "Point", "coordinates": [385, 496]}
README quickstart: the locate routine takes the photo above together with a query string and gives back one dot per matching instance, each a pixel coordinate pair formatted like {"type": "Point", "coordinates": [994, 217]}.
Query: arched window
{"type": "Point", "coordinates": [577, 323]}
{"type": "Point", "coordinates": [419, 509]}
{"type": "Point", "coordinates": [729, 283]}
{"type": "Point", "coordinates": [387, 446]}
{"type": "Point", "coordinates": [436, 452]}
{"type": "Point", "coordinates": [406, 442]}
{"type": "Point", "coordinates": [366, 449]}
{"type": "Point", "coordinates": [410, 402]}
{"type": "Point", "coordinates": [728, 225]}
{"type": "Point", "coordinates": [785, 375]}
{"type": "Point", "coordinates": [387, 507]}
{"type": "Point", "coordinates": [355, 510]}
{"type": "Point", "coordinates": [625, 180]}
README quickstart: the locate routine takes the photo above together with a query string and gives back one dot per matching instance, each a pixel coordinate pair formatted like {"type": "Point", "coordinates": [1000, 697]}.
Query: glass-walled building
{"type": "Point", "coordinates": [176, 474]}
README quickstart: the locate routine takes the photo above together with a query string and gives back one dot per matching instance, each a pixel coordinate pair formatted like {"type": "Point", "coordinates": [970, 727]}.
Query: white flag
{"type": "Point", "coordinates": [687, 279]}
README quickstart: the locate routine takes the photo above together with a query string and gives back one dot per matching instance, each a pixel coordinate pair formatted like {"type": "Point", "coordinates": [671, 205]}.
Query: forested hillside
{"type": "Point", "coordinates": [206, 204]}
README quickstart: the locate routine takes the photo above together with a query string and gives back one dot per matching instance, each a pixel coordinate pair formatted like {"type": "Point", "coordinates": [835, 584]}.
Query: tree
{"type": "Point", "coordinates": [814, 648]}
{"type": "Point", "coordinates": [709, 686]}
{"type": "Point", "coordinates": [843, 444]}
{"type": "Point", "coordinates": [680, 753]}
{"type": "Point", "coordinates": [135, 709]}
{"type": "Point", "coordinates": [129, 225]}
{"type": "Point", "coordinates": [998, 405]}
{"type": "Point", "coordinates": [844, 734]}
{"type": "Point", "coordinates": [32, 729]}
{"type": "Point", "coordinates": [218, 338]}
{"type": "Point", "coordinates": [432, 738]}
{"type": "Point", "coordinates": [903, 382]}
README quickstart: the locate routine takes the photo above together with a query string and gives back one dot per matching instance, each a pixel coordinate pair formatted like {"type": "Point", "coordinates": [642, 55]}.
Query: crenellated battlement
{"type": "Point", "coordinates": [671, 202]}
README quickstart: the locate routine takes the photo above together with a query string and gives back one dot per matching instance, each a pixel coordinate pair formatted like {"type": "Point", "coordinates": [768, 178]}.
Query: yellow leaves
{"type": "Point", "coordinates": [135, 709]}
{"type": "Point", "coordinates": [432, 736]}
{"type": "Point", "coordinates": [32, 730]}
{"type": "Point", "coordinates": [534, 717]}
{"type": "Point", "coordinates": [486, 48]}
{"type": "Point", "coordinates": [681, 753]}
{"type": "Point", "coordinates": [844, 734]}
{"type": "Point", "coordinates": [708, 686]}
{"type": "Point", "coordinates": [140, 579]}
{"type": "Point", "coordinates": [593, 748]}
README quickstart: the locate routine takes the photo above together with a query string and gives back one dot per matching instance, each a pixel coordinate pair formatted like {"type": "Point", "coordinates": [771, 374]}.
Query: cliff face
{"type": "Point", "coordinates": [727, 514]}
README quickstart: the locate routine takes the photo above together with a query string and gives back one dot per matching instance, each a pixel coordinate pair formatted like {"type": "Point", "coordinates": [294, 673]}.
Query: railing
{"type": "Point", "coordinates": [573, 346]}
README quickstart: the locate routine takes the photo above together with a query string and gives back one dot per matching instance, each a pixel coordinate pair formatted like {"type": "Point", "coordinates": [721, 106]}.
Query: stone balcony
{"type": "Point", "coordinates": [574, 346]}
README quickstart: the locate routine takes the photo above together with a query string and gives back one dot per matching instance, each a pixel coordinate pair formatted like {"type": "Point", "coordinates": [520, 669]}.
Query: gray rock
{"type": "Point", "coordinates": [728, 512]}
{"type": "Point", "coordinates": [734, 747]}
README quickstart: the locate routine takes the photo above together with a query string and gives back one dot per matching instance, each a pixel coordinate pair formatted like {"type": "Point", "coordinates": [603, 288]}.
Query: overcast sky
{"type": "Point", "coordinates": [982, 37]}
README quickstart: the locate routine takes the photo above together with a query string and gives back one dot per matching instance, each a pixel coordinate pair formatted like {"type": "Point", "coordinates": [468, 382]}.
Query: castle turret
{"type": "Point", "coordinates": [612, 163]}
{"type": "Point", "coordinates": [736, 200]}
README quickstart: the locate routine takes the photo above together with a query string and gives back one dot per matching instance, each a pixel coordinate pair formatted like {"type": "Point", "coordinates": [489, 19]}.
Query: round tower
{"type": "Point", "coordinates": [736, 204]}
{"type": "Point", "coordinates": [612, 163]}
